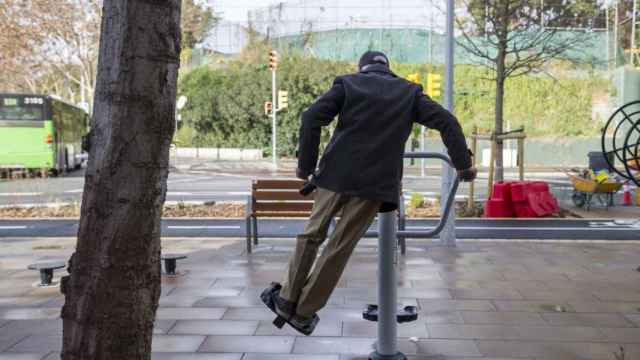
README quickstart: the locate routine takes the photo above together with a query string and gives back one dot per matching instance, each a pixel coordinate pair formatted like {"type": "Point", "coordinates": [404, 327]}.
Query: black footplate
{"type": "Point", "coordinates": [405, 314]}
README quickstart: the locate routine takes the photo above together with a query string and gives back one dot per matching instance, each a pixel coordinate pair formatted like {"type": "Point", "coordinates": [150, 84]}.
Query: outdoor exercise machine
{"type": "Point", "coordinates": [621, 141]}
{"type": "Point", "coordinates": [386, 312]}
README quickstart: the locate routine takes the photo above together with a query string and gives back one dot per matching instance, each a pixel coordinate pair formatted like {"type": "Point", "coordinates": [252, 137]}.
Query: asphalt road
{"type": "Point", "coordinates": [553, 229]}
{"type": "Point", "coordinates": [181, 187]}
{"type": "Point", "coordinates": [195, 186]}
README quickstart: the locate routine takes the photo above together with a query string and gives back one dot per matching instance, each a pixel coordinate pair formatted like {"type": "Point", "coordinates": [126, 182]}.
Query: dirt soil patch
{"type": "Point", "coordinates": [227, 210]}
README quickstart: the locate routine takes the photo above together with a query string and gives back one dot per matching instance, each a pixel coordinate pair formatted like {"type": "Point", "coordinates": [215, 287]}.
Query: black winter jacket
{"type": "Point", "coordinates": [364, 157]}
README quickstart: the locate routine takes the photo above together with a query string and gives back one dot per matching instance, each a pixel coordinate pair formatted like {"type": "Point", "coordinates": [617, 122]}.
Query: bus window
{"type": "Point", "coordinates": [17, 113]}
{"type": "Point", "coordinates": [21, 109]}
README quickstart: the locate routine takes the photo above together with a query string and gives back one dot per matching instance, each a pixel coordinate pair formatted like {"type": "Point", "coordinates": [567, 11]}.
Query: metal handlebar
{"type": "Point", "coordinates": [447, 206]}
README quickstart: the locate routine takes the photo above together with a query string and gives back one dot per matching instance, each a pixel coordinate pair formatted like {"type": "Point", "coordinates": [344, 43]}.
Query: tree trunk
{"type": "Point", "coordinates": [112, 291]}
{"type": "Point", "coordinates": [500, 80]}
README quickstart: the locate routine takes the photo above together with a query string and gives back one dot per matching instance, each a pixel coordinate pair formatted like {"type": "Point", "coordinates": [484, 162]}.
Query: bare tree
{"type": "Point", "coordinates": [113, 286]}
{"type": "Point", "coordinates": [516, 37]}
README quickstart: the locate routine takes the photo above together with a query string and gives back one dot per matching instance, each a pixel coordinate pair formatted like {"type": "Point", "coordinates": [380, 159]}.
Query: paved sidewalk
{"type": "Point", "coordinates": [482, 300]}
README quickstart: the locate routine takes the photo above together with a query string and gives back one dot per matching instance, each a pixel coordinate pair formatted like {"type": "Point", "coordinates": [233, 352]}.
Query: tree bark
{"type": "Point", "coordinates": [113, 287]}
{"type": "Point", "coordinates": [499, 110]}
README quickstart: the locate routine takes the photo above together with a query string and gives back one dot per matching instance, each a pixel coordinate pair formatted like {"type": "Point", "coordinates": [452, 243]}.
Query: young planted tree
{"type": "Point", "coordinates": [113, 286]}
{"type": "Point", "coordinates": [516, 37]}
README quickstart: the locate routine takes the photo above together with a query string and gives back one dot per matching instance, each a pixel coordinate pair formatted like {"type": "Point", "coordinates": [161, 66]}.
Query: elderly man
{"type": "Point", "coordinates": [359, 175]}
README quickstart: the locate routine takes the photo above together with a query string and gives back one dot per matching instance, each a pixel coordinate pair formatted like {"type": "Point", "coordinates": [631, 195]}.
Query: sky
{"type": "Point", "coordinates": [236, 10]}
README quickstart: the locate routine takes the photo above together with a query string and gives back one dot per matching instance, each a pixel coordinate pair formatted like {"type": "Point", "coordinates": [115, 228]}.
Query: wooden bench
{"type": "Point", "coordinates": [280, 198]}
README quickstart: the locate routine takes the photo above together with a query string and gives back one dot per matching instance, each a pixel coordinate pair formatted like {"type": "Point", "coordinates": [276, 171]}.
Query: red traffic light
{"type": "Point", "coordinates": [268, 107]}
{"type": "Point", "coordinates": [273, 60]}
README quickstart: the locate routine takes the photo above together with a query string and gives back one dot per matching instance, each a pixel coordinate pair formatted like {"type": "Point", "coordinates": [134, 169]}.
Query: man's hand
{"type": "Point", "coordinates": [468, 175]}
{"type": "Point", "coordinates": [302, 175]}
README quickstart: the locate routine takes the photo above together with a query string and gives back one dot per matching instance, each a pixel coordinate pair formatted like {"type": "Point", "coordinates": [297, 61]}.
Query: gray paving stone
{"type": "Point", "coordinates": [493, 332]}
{"type": "Point", "coordinates": [176, 343]}
{"type": "Point", "coordinates": [22, 356]}
{"type": "Point", "coordinates": [289, 357]}
{"type": "Point", "coordinates": [248, 344]}
{"type": "Point", "coordinates": [165, 313]}
{"type": "Point", "coordinates": [179, 301]}
{"type": "Point", "coordinates": [163, 326]}
{"type": "Point", "coordinates": [200, 292]}
{"type": "Point", "coordinates": [29, 313]}
{"type": "Point", "coordinates": [438, 347]}
{"type": "Point", "coordinates": [488, 294]}
{"type": "Point", "coordinates": [333, 345]}
{"type": "Point", "coordinates": [250, 313]}
{"type": "Point", "coordinates": [38, 344]}
{"type": "Point", "coordinates": [236, 301]}
{"type": "Point", "coordinates": [8, 339]}
{"type": "Point", "coordinates": [531, 305]}
{"type": "Point", "coordinates": [635, 318]}
{"type": "Point", "coordinates": [502, 318]}
{"type": "Point", "coordinates": [324, 328]}
{"type": "Point", "coordinates": [31, 327]}
{"type": "Point", "coordinates": [370, 329]}
{"type": "Point", "coordinates": [546, 350]}
{"type": "Point", "coordinates": [441, 317]}
{"type": "Point", "coordinates": [593, 320]}
{"type": "Point", "coordinates": [194, 356]}
{"type": "Point", "coordinates": [621, 335]}
{"type": "Point", "coordinates": [214, 327]}
{"type": "Point", "coordinates": [439, 304]}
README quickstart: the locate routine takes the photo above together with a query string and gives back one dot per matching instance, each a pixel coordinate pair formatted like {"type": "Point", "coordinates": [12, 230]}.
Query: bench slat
{"type": "Point", "coordinates": [282, 206]}
{"type": "Point", "coordinates": [281, 214]}
{"type": "Point", "coordinates": [278, 184]}
{"type": "Point", "coordinates": [281, 195]}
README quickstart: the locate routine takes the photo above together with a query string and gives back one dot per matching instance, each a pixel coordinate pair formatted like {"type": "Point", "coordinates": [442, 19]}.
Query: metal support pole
{"type": "Point", "coordinates": [273, 121]}
{"type": "Point", "coordinates": [387, 325]}
{"type": "Point", "coordinates": [422, 149]}
{"type": "Point", "coordinates": [448, 235]}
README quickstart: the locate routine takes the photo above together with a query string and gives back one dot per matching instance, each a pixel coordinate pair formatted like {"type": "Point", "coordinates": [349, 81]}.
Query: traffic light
{"type": "Point", "coordinates": [273, 60]}
{"type": "Point", "coordinates": [283, 99]}
{"type": "Point", "coordinates": [434, 83]}
{"type": "Point", "coordinates": [268, 108]}
{"type": "Point", "coordinates": [414, 78]}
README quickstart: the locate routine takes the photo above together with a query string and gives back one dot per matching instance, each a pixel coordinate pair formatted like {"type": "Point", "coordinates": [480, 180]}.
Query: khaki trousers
{"type": "Point", "coordinates": [312, 289]}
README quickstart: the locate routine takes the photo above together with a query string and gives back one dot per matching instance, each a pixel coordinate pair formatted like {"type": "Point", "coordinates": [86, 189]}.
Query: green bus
{"type": "Point", "coordinates": [41, 133]}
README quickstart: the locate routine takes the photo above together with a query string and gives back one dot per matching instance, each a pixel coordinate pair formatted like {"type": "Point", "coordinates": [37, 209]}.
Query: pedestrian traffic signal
{"type": "Point", "coordinates": [268, 107]}
{"type": "Point", "coordinates": [414, 78]}
{"type": "Point", "coordinates": [434, 83]}
{"type": "Point", "coordinates": [283, 99]}
{"type": "Point", "coordinates": [273, 60]}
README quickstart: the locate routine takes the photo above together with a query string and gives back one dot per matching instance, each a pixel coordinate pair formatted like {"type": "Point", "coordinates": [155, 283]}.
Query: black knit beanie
{"type": "Point", "coordinates": [373, 57]}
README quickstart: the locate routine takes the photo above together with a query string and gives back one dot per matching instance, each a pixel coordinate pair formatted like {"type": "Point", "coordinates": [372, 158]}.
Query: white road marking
{"type": "Point", "coordinates": [228, 193]}
{"type": "Point", "coordinates": [13, 227]}
{"type": "Point", "coordinates": [74, 191]}
{"type": "Point", "coordinates": [219, 227]}
{"type": "Point", "coordinates": [191, 179]}
{"type": "Point", "coordinates": [22, 194]}
{"type": "Point", "coordinates": [526, 228]}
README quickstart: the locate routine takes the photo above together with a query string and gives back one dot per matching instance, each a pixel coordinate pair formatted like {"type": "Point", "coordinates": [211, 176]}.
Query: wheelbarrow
{"type": "Point", "coordinates": [586, 190]}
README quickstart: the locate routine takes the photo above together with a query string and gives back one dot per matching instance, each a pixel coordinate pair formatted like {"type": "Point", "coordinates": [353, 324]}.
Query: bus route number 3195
{"type": "Point", "coordinates": [33, 101]}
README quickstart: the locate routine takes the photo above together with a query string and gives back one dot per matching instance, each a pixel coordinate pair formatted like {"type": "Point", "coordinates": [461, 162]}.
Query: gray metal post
{"type": "Point", "coordinates": [387, 325]}
{"type": "Point", "coordinates": [448, 234]}
{"type": "Point", "coordinates": [274, 105]}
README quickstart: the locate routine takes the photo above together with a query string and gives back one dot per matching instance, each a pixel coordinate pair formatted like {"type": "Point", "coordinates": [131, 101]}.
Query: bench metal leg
{"type": "Point", "coordinates": [254, 221]}
{"type": "Point", "coordinates": [248, 233]}
{"type": "Point", "coordinates": [46, 277]}
{"type": "Point", "coordinates": [170, 266]}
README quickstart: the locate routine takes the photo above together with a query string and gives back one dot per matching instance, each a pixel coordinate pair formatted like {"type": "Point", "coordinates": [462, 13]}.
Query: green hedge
{"type": "Point", "coordinates": [225, 107]}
